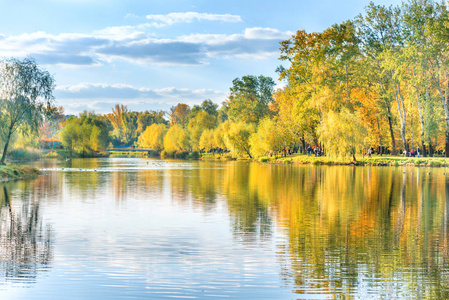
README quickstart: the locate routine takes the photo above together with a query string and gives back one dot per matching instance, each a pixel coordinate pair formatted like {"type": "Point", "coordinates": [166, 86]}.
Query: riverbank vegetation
{"type": "Point", "coordinates": [394, 161]}
{"type": "Point", "coordinates": [15, 171]}
{"type": "Point", "coordinates": [378, 83]}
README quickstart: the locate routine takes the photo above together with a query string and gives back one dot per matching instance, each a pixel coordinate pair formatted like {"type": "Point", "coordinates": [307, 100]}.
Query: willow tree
{"type": "Point", "coordinates": [342, 133]}
{"type": "Point", "coordinates": [25, 92]}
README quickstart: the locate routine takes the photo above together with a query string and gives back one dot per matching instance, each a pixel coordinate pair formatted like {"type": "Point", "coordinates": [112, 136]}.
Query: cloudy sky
{"type": "Point", "coordinates": [152, 54]}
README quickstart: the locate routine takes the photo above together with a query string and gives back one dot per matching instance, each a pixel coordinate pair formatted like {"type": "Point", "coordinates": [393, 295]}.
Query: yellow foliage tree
{"type": "Point", "coordinates": [207, 141]}
{"type": "Point", "coordinates": [153, 137]}
{"type": "Point", "coordinates": [176, 139]}
{"type": "Point", "coordinates": [342, 133]}
{"type": "Point", "coordinates": [268, 137]}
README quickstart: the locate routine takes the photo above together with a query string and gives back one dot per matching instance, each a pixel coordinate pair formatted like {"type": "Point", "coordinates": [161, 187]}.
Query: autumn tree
{"type": "Point", "coordinates": [207, 141]}
{"type": "Point", "coordinates": [153, 137]}
{"type": "Point", "coordinates": [179, 114]}
{"type": "Point", "coordinates": [343, 134]}
{"type": "Point", "coordinates": [176, 139]}
{"type": "Point", "coordinates": [267, 138]}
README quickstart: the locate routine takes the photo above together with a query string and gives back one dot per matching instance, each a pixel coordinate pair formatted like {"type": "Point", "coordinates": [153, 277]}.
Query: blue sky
{"type": "Point", "coordinates": [155, 54]}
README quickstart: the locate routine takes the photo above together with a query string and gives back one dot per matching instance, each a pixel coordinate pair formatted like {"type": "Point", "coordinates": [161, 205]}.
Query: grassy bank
{"type": "Point", "coordinates": [14, 171]}
{"type": "Point", "coordinates": [372, 161]}
{"type": "Point", "coordinates": [62, 154]}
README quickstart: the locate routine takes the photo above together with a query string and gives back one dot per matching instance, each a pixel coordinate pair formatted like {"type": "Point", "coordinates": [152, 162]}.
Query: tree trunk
{"type": "Point", "coordinates": [249, 154]}
{"type": "Point", "coordinates": [444, 101]}
{"type": "Point", "coordinates": [446, 149]}
{"type": "Point", "coordinates": [347, 86]}
{"type": "Point", "coordinates": [303, 142]}
{"type": "Point", "coordinates": [401, 111]}
{"type": "Point", "coordinates": [5, 149]}
{"type": "Point", "coordinates": [421, 118]}
{"type": "Point", "coordinates": [390, 125]}
{"type": "Point", "coordinates": [380, 148]}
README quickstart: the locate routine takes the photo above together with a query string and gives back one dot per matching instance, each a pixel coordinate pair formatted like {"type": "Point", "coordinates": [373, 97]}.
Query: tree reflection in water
{"type": "Point", "coordinates": [25, 242]}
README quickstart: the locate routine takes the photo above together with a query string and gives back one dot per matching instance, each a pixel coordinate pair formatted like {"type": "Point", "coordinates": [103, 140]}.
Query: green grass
{"type": "Point", "coordinates": [371, 161]}
{"type": "Point", "coordinates": [14, 171]}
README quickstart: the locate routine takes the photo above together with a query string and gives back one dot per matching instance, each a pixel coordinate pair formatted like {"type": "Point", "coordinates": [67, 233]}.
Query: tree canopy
{"type": "Point", "coordinates": [25, 91]}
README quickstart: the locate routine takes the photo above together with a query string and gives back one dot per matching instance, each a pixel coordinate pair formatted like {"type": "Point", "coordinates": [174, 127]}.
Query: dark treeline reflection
{"type": "Point", "coordinates": [25, 241]}
{"type": "Point", "coordinates": [349, 232]}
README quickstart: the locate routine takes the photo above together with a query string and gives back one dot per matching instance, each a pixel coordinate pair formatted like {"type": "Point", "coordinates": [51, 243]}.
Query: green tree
{"type": "Point", "coordinates": [124, 123]}
{"type": "Point", "coordinates": [237, 139]}
{"type": "Point", "coordinates": [207, 106]}
{"type": "Point", "coordinates": [147, 118]}
{"type": "Point", "coordinates": [250, 98]}
{"type": "Point", "coordinates": [25, 90]}
{"type": "Point", "coordinates": [85, 134]}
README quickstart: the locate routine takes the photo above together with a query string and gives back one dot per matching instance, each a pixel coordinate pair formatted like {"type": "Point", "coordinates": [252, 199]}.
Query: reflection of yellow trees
{"type": "Point", "coordinates": [364, 222]}
{"type": "Point", "coordinates": [346, 227]}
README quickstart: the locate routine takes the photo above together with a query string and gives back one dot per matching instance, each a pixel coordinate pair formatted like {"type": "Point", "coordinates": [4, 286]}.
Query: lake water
{"type": "Point", "coordinates": [130, 228]}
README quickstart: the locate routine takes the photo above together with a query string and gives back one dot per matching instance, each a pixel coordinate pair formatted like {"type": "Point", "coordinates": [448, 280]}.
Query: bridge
{"type": "Point", "coordinates": [128, 149]}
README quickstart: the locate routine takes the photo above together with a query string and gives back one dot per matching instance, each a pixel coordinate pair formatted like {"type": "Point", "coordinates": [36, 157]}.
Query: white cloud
{"type": "Point", "coordinates": [137, 45]}
{"type": "Point", "coordinates": [88, 90]}
{"type": "Point", "coordinates": [266, 34]}
{"type": "Point", "coordinates": [102, 97]}
{"type": "Point", "coordinates": [188, 17]}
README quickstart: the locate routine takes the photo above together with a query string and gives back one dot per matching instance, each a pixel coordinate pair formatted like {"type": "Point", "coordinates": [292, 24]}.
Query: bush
{"type": "Point", "coordinates": [181, 154]}
{"type": "Point", "coordinates": [52, 154]}
{"type": "Point", "coordinates": [194, 155]}
{"type": "Point", "coordinates": [23, 154]}
{"type": "Point", "coordinates": [167, 154]}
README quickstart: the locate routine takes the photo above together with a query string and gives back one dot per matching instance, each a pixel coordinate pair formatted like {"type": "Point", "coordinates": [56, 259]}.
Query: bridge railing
{"type": "Point", "coordinates": [128, 149]}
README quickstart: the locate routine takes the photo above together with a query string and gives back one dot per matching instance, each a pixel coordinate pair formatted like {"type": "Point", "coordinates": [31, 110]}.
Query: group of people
{"type": "Point", "coordinates": [315, 150]}
{"type": "Point", "coordinates": [412, 153]}
{"type": "Point", "coordinates": [368, 152]}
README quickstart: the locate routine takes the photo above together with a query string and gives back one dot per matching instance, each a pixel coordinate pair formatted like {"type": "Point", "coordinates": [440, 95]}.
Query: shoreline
{"type": "Point", "coordinates": [11, 172]}
{"type": "Point", "coordinates": [387, 161]}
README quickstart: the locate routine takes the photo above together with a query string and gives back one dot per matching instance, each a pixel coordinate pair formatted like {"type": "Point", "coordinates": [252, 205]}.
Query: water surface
{"type": "Point", "coordinates": [137, 228]}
